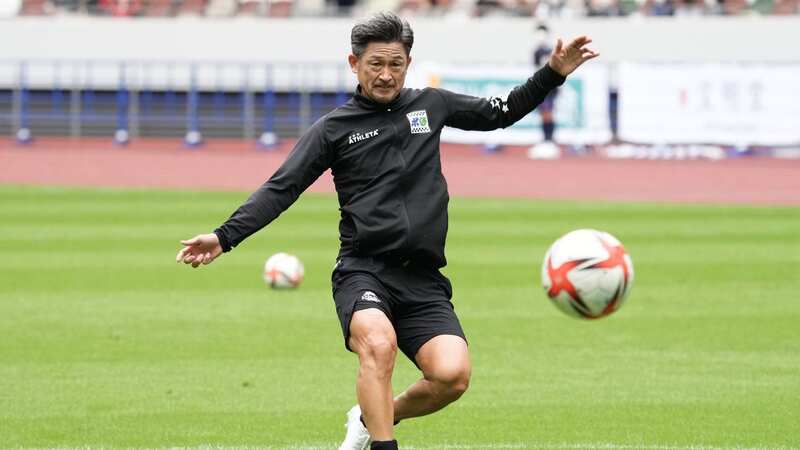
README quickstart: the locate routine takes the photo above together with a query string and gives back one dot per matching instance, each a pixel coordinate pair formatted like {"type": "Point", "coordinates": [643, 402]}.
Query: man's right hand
{"type": "Point", "coordinates": [201, 249]}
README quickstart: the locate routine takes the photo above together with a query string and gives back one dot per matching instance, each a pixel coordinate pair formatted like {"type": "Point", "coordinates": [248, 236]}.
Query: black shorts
{"type": "Point", "coordinates": [415, 298]}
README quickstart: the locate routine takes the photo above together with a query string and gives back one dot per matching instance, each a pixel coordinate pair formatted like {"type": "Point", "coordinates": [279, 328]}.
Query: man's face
{"type": "Point", "coordinates": [381, 70]}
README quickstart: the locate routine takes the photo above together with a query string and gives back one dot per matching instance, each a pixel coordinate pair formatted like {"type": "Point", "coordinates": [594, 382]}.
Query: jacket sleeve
{"type": "Point", "coordinates": [306, 162]}
{"type": "Point", "coordinates": [484, 114]}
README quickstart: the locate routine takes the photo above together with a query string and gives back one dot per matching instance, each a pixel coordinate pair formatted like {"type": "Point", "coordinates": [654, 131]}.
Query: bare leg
{"type": "Point", "coordinates": [446, 370]}
{"type": "Point", "coordinates": [372, 337]}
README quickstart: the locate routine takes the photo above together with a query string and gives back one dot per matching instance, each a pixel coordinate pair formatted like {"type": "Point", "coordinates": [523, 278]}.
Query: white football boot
{"type": "Point", "coordinates": [357, 437]}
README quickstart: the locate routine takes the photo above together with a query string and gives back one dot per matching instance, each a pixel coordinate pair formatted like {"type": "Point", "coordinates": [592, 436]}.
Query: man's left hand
{"type": "Point", "coordinates": [565, 60]}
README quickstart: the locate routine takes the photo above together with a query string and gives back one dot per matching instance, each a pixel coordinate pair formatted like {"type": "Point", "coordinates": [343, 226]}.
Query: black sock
{"type": "Point", "coordinates": [548, 128]}
{"type": "Point", "coordinates": [384, 445]}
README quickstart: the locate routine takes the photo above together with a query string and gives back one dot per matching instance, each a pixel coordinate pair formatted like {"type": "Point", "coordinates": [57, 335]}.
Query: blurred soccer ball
{"type": "Point", "coordinates": [283, 271]}
{"type": "Point", "coordinates": [587, 274]}
{"type": "Point", "coordinates": [193, 138]}
{"type": "Point", "coordinates": [24, 135]}
{"type": "Point", "coordinates": [268, 139]}
{"type": "Point", "coordinates": [544, 150]}
{"type": "Point", "coordinates": [121, 137]}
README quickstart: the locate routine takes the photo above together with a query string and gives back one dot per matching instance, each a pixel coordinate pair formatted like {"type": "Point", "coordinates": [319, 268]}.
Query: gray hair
{"type": "Point", "coordinates": [382, 27]}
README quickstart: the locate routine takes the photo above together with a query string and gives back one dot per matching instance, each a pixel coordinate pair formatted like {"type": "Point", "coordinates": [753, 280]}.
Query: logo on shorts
{"type": "Point", "coordinates": [370, 297]}
{"type": "Point", "coordinates": [419, 122]}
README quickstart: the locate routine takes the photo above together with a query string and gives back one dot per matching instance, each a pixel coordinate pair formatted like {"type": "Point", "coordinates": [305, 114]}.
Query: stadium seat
{"type": "Point", "coordinates": [120, 8]}
{"type": "Point", "coordinates": [786, 7]}
{"type": "Point", "coordinates": [222, 8]}
{"type": "Point", "coordinates": [250, 7]}
{"type": "Point", "coordinates": [34, 8]}
{"type": "Point", "coordinates": [192, 8]}
{"type": "Point", "coordinates": [280, 8]}
{"type": "Point", "coordinates": [160, 8]}
{"type": "Point", "coordinates": [308, 8]}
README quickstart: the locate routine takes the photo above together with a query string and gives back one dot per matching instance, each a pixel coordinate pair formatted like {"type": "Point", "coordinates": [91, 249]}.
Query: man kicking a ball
{"type": "Point", "coordinates": [382, 147]}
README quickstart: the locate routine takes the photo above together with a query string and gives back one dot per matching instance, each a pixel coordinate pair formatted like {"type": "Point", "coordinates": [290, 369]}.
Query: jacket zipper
{"type": "Point", "coordinates": [405, 166]}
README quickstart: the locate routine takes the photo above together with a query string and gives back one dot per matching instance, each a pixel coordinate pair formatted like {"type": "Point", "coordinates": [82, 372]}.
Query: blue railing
{"type": "Point", "coordinates": [126, 100]}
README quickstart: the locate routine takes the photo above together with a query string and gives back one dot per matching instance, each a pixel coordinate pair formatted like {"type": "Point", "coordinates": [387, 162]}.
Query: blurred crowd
{"type": "Point", "coordinates": [542, 9]}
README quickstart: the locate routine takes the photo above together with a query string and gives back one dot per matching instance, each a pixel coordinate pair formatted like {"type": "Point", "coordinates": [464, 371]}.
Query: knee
{"type": "Point", "coordinates": [453, 383]}
{"type": "Point", "coordinates": [373, 338]}
{"type": "Point", "coordinates": [377, 353]}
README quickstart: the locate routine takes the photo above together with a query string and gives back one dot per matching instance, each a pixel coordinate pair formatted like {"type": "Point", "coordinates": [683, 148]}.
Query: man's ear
{"type": "Point", "coordinates": [353, 60]}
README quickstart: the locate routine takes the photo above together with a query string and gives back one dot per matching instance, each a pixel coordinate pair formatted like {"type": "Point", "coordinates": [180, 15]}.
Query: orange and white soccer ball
{"type": "Point", "coordinates": [587, 274]}
{"type": "Point", "coordinates": [283, 271]}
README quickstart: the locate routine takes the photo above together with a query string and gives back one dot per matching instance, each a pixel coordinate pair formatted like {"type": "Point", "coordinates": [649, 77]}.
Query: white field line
{"type": "Point", "coordinates": [496, 446]}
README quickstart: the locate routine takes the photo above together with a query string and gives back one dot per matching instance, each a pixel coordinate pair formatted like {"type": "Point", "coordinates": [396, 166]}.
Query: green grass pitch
{"type": "Point", "coordinates": [107, 342]}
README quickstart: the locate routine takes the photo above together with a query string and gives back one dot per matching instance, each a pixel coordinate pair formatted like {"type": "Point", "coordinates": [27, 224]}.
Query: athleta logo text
{"type": "Point", "coordinates": [358, 137]}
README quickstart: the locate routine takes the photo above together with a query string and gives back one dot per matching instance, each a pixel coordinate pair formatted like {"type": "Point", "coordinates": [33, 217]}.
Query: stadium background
{"type": "Point", "coordinates": [128, 125]}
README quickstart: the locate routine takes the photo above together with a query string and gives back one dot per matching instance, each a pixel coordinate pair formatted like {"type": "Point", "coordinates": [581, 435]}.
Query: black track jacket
{"type": "Point", "coordinates": [385, 163]}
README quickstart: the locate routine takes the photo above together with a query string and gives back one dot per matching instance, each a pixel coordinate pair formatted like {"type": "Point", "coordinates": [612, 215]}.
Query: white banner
{"type": "Point", "coordinates": [737, 104]}
{"type": "Point", "coordinates": [581, 107]}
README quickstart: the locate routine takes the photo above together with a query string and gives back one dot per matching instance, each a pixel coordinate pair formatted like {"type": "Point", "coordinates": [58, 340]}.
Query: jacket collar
{"type": "Point", "coordinates": [368, 103]}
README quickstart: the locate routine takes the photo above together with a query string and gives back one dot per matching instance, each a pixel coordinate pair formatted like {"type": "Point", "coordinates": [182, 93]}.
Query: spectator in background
{"type": "Point", "coordinates": [603, 8]}
{"type": "Point", "coordinates": [545, 9]}
{"type": "Point", "coordinates": [658, 8]}
{"type": "Point", "coordinates": [540, 9]}
{"type": "Point", "coordinates": [541, 54]}
{"type": "Point", "coordinates": [783, 7]}
{"type": "Point", "coordinates": [414, 7]}
{"type": "Point", "coordinates": [733, 7]}
{"type": "Point", "coordinates": [120, 8]}
{"type": "Point", "coordinates": [560, 8]}
{"type": "Point", "coordinates": [687, 8]}
{"type": "Point", "coordinates": [491, 8]}
{"type": "Point", "coordinates": [440, 7]}
{"type": "Point", "coordinates": [340, 7]}
{"type": "Point", "coordinates": [64, 6]}
{"type": "Point", "coordinates": [160, 8]}
{"type": "Point", "coordinates": [192, 8]}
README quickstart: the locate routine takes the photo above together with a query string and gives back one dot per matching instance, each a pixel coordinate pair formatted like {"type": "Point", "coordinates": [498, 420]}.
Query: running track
{"type": "Point", "coordinates": [238, 165]}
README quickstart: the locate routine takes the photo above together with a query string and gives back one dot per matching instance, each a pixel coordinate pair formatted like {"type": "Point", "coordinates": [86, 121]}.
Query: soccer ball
{"type": "Point", "coordinates": [283, 271]}
{"type": "Point", "coordinates": [587, 274]}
